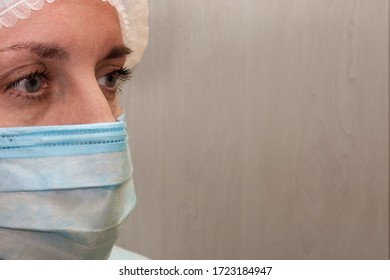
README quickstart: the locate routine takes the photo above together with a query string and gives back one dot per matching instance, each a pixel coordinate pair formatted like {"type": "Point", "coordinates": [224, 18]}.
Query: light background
{"type": "Point", "coordinates": [259, 130]}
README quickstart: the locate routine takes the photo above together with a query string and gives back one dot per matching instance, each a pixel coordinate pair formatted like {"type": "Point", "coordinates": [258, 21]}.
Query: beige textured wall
{"type": "Point", "coordinates": [259, 130]}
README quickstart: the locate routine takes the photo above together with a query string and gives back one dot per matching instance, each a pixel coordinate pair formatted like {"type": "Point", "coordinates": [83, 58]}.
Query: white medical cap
{"type": "Point", "coordinates": [133, 15]}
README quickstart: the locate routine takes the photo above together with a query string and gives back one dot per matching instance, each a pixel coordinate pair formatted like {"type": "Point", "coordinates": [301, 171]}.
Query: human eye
{"type": "Point", "coordinates": [112, 82]}
{"type": "Point", "coordinates": [31, 86]}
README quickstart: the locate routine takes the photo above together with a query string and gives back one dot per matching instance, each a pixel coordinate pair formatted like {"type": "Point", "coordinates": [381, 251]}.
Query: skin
{"type": "Point", "coordinates": [78, 36]}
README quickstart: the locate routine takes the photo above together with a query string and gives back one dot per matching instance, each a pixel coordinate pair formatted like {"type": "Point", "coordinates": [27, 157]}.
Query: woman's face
{"type": "Point", "coordinates": [62, 65]}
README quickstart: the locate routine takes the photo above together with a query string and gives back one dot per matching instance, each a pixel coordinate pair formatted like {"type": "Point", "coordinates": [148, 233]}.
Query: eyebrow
{"type": "Point", "coordinates": [118, 52]}
{"type": "Point", "coordinates": [53, 51]}
{"type": "Point", "coordinates": [46, 51]}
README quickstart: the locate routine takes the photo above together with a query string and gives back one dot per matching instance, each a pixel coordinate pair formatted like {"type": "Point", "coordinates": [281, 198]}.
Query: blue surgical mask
{"type": "Point", "coordinates": [64, 190]}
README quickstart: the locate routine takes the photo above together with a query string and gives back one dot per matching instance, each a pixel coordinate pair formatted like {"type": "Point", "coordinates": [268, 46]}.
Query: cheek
{"type": "Point", "coordinates": [12, 117]}
{"type": "Point", "coordinates": [4, 120]}
{"type": "Point", "coordinates": [115, 107]}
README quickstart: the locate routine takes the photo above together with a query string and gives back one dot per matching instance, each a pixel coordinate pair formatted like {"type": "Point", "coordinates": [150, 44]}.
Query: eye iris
{"type": "Point", "coordinates": [112, 79]}
{"type": "Point", "coordinates": [32, 85]}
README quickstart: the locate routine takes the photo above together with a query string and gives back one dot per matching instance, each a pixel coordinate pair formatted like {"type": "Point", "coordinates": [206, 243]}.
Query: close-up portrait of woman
{"type": "Point", "coordinates": [66, 177]}
{"type": "Point", "coordinates": [192, 130]}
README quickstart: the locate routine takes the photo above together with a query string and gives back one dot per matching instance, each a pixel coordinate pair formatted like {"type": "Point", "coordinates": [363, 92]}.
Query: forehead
{"type": "Point", "coordinates": [66, 22]}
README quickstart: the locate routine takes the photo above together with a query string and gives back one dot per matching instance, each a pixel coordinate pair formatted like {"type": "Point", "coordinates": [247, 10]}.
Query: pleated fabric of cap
{"type": "Point", "coordinates": [133, 15]}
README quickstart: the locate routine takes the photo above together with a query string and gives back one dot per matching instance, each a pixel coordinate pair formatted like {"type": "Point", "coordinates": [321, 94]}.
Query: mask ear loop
{"type": "Point", "coordinates": [121, 117]}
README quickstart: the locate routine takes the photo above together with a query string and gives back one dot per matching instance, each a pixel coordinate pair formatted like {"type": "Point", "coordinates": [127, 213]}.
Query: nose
{"type": "Point", "coordinates": [86, 103]}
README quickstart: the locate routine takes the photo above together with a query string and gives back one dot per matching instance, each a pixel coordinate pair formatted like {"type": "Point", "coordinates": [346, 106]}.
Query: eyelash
{"type": "Point", "coordinates": [124, 75]}
{"type": "Point", "coordinates": [44, 75]}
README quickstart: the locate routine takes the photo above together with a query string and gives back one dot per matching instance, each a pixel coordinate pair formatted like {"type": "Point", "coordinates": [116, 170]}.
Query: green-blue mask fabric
{"type": "Point", "coordinates": [64, 190]}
